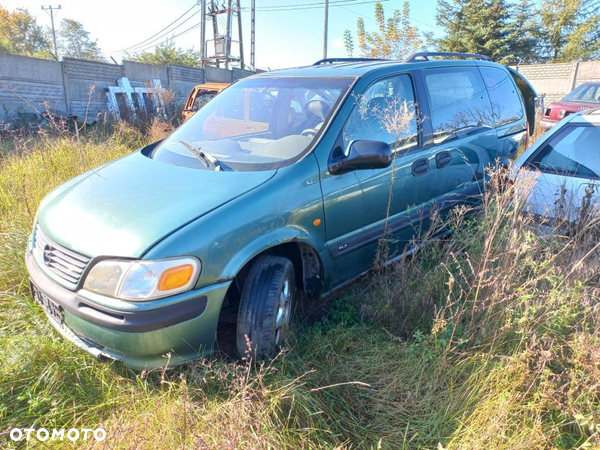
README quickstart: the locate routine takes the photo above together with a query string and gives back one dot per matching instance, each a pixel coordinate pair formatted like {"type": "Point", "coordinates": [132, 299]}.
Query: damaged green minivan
{"type": "Point", "coordinates": [278, 190]}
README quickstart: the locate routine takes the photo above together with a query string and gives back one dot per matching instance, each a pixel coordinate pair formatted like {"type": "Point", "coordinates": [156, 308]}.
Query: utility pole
{"type": "Point", "coordinates": [213, 11]}
{"type": "Point", "coordinates": [228, 35]}
{"type": "Point", "coordinates": [51, 13]}
{"type": "Point", "coordinates": [252, 35]}
{"type": "Point", "coordinates": [325, 29]}
{"type": "Point", "coordinates": [202, 32]}
{"type": "Point", "coordinates": [239, 15]}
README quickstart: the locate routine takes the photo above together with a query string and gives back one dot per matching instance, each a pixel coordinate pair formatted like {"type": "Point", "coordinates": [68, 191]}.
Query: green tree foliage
{"type": "Point", "coordinates": [493, 28]}
{"type": "Point", "coordinates": [569, 30]}
{"type": "Point", "coordinates": [523, 34]}
{"type": "Point", "coordinates": [395, 37]}
{"type": "Point", "coordinates": [21, 35]}
{"type": "Point", "coordinates": [168, 53]}
{"type": "Point", "coordinates": [348, 43]}
{"type": "Point", "coordinates": [509, 31]}
{"type": "Point", "coordinates": [74, 42]}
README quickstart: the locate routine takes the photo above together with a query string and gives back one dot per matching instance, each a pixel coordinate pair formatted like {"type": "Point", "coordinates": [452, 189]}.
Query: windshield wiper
{"type": "Point", "coordinates": [208, 160]}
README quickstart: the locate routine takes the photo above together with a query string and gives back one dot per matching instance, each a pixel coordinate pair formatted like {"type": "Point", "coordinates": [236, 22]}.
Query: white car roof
{"type": "Point", "coordinates": [590, 116]}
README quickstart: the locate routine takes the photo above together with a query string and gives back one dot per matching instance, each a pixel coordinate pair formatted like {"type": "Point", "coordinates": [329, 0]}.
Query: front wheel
{"type": "Point", "coordinates": [266, 306]}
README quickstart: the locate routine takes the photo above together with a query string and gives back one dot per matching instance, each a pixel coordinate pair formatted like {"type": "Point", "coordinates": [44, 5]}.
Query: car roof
{"type": "Point", "coordinates": [361, 68]}
{"type": "Point", "coordinates": [590, 116]}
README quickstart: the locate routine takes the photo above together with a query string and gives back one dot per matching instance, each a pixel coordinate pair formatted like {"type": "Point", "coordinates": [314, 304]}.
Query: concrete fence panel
{"type": "Point", "coordinates": [86, 83]}
{"type": "Point", "coordinates": [182, 79]}
{"type": "Point", "coordinates": [29, 84]}
{"type": "Point", "coordinates": [588, 71]}
{"type": "Point", "coordinates": [218, 75]}
{"type": "Point", "coordinates": [141, 74]}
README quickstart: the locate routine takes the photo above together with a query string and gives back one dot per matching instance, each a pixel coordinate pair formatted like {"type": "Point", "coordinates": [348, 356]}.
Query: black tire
{"type": "Point", "coordinates": [260, 305]}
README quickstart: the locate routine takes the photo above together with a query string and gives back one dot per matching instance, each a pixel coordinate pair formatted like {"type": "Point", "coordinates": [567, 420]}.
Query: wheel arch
{"type": "Point", "coordinates": [308, 266]}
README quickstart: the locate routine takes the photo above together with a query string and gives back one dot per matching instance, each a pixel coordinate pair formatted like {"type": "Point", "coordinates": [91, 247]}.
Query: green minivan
{"type": "Point", "coordinates": [281, 189]}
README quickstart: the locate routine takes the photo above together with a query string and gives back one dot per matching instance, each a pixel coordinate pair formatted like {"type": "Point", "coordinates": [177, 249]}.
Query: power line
{"type": "Point", "coordinates": [193, 27]}
{"type": "Point", "coordinates": [157, 33]}
{"type": "Point", "coordinates": [304, 6]}
{"type": "Point", "coordinates": [134, 49]}
{"type": "Point", "coordinates": [412, 18]}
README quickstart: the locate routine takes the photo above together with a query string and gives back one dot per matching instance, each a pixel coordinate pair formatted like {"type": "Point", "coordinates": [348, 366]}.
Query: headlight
{"type": "Point", "coordinates": [143, 280]}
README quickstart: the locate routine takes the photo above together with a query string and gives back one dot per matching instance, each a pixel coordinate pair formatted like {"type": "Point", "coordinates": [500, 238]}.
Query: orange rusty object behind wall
{"type": "Point", "coordinates": [207, 90]}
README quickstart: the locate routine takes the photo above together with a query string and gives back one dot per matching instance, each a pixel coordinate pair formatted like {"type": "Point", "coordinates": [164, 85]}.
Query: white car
{"type": "Point", "coordinates": [564, 168]}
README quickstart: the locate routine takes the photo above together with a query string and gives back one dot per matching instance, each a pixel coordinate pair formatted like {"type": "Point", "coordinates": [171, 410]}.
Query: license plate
{"type": "Point", "coordinates": [53, 310]}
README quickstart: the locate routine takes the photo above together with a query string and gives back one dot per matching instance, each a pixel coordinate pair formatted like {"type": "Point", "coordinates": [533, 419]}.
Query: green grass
{"type": "Point", "coordinates": [486, 340]}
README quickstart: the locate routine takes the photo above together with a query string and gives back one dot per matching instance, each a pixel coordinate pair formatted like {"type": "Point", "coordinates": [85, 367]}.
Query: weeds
{"type": "Point", "coordinates": [487, 339]}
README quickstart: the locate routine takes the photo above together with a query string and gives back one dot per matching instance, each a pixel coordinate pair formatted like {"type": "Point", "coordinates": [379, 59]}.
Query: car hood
{"type": "Point", "coordinates": [124, 207]}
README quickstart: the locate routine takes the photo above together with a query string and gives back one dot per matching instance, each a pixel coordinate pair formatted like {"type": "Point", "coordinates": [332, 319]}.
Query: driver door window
{"type": "Point", "coordinates": [385, 112]}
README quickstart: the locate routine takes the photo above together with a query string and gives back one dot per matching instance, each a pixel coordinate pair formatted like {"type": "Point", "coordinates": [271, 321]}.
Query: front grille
{"type": "Point", "coordinates": [65, 263]}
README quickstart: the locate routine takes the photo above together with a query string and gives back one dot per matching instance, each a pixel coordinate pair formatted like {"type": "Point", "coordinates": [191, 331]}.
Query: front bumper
{"type": "Point", "coordinates": [146, 337]}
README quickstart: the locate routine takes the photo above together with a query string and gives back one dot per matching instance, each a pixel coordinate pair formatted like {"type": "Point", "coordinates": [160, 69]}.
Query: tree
{"type": "Point", "coordinates": [569, 30]}
{"type": "Point", "coordinates": [523, 36]}
{"type": "Point", "coordinates": [167, 53]}
{"type": "Point", "coordinates": [21, 35]}
{"type": "Point", "coordinates": [348, 43]}
{"type": "Point", "coordinates": [74, 41]}
{"type": "Point", "coordinates": [395, 37]}
{"type": "Point", "coordinates": [485, 27]}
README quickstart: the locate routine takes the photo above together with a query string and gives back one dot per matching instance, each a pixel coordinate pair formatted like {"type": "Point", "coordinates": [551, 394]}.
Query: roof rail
{"type": "Point", "coordinates": [424, 56]}
{"type": "Point", "coordinates": [344, 60]}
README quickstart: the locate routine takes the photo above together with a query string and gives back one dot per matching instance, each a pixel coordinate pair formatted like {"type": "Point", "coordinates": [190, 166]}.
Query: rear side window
{"type": "Point", "coordinates": [458, 101]}
{"type": "Point", "coordinates": [573, 151]}
{"type": "Point", "coordinates": [506, 101]}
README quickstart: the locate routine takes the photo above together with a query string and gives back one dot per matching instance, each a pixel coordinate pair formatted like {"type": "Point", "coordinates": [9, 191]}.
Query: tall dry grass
{"type": "Point", "coordinates": [487, 339]}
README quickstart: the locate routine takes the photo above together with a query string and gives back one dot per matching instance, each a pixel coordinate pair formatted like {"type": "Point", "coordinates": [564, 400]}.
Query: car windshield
{"type": "Point", "coordinates": [586, 93]}
{"type": "Point", "coordinates": [256, 124]}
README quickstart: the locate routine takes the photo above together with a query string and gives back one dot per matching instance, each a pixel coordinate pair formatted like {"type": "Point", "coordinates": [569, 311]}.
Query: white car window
{"type": "Point", "coordinates": [574, 151]}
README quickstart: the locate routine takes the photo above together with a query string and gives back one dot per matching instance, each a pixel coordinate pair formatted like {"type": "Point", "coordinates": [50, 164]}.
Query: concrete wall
{"type": "Point", "coordinates": [74, 86]}
{"type": "Point", "coordinates": [588, 71]}
{"type": "Point", "coordinates": [27, 84]}
{"type": "Point", "coordinates": [557, 80]}
{"type": "Point", "coordinates": [182, 79]}
{"type": "Point", "coordinates": [85, 84]}
{"type": "Point", "coordinates": [238, 74]}
{"type": "Point", "coordinates": [140, 73]}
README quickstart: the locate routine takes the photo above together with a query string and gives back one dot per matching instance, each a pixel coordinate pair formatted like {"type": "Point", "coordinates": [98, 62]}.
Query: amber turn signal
{"type": "Point", "coordinates": [175, 277]}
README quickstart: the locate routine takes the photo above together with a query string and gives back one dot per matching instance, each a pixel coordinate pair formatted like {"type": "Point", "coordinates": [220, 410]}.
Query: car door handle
{"type": "Point", "coordinates": [442, 159]}
{"type": "Point", "coordinates": [420, 167]}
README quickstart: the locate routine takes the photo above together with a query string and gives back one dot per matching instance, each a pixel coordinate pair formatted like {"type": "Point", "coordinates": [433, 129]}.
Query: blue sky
{"type": "Point", "coordinates": [283, 38]}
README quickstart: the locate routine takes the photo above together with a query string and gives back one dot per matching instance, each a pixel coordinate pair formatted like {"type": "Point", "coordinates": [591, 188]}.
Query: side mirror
{"type": "Point", "coordinates": [362, 155]}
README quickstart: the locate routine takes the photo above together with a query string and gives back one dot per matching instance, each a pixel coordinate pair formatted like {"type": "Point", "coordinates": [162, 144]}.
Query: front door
{"type": "Point", "coordinates": [366, 210]}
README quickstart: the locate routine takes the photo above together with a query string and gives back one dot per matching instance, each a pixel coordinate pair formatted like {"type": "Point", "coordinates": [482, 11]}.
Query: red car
{"type": "Point", "coordinates": [584, 97]}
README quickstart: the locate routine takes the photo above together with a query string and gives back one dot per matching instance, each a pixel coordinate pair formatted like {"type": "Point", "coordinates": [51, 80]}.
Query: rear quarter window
{"type": "Point", "coordinates": [506, 101]}
{"type": "Point", "coordinates": [458, 100]}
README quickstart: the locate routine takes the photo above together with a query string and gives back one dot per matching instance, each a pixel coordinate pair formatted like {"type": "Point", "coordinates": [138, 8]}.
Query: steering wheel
{"type": "Point", "coordinates": [309, 131]}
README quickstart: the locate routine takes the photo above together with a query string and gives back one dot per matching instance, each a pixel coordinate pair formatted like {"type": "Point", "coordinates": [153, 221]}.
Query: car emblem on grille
{"type": "Point", "coordinates": [47, 254]}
